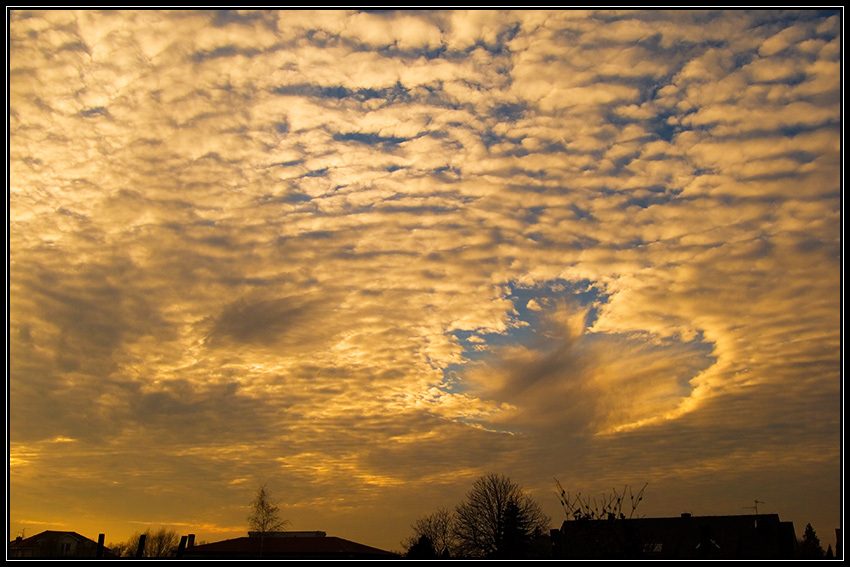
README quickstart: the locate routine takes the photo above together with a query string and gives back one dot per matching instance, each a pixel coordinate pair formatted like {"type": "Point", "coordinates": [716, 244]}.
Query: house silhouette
{"type": "Point", "coordinates": [754, 536]}
{"type": "Point", "coordinates": [286, 545]}
{"type": "Point", "coordinates": [52, 544]}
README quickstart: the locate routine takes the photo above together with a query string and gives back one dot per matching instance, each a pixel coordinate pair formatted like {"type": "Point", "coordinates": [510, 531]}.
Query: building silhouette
{"type": "Point", "coordinates": [286, 545]}
{"type": "Point", "coordinates": [754, 536]}
{"type": "Point", "coordinates": [52, 544]}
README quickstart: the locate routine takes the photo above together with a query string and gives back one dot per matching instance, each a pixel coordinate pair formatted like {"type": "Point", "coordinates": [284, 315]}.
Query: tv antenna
{"type": "Point", "coordinates": [755, 506]}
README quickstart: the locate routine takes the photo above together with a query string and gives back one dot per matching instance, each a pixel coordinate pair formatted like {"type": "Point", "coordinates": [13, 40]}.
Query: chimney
{"type": "Point", "coordinates": [191, 542]}
{"type": "Point", "coordinates": [140, 550]}
{"type": "Point", "coordinates": [181, 547]}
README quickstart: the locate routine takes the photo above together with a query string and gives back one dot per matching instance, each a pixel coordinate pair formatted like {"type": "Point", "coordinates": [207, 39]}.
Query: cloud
{"type": "Point", "coordinates": [581, 380]}
{"type": "Point", "coordinates": [370, 252]}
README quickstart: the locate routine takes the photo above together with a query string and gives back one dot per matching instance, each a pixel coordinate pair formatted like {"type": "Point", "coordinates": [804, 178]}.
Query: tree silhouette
{"type": "Point", "coordinates": [498, 520]}
{"type": "Point", "coordinates": [422, 549]}
{"type": "Point", "coordinates": [810, 544]}
{"type": "Point", "coordinates": [265, 513]}
{"type": "Point", "coordinates": [265, 516]}
{"type": "Point", "coordinates": [608, 507]}
{"type": "Point", "coordinates": [438, 528]}
{"type": "Point", "coordinates": [159, 543]}
{"type": "Point", "coordinates": [515, 535]}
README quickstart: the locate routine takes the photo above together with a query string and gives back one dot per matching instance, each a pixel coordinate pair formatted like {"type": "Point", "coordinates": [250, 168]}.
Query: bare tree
{"type": "Point", "coordinates": [159, 543]}
{"type": "Point", "coordinates": [439, 529]}
{"type": "Point", "coordinates": [498, 520]}
{"type": "Point", "coordinates": [265, 515]}
{"type": "Point", "coordinates": [118, 549]}
{"type": "Point", "coordinates": [606, 507]}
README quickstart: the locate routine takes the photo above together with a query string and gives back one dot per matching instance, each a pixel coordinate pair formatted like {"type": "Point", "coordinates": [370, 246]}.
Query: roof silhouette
{"type": "Point", "coordinates": [762, 536]}
{"type": "Point", "coordinates": [279, 546]}
{"type": "Point", "coordinates": [49, 544]}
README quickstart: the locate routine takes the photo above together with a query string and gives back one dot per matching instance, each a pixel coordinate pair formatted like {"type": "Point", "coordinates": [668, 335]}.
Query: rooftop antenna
{"type": "Point", "coordinates": [755, 506]}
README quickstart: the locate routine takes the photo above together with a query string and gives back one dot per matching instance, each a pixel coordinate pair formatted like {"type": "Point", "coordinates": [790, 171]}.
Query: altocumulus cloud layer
{"type": "Point", "coordinates": [365, 257]}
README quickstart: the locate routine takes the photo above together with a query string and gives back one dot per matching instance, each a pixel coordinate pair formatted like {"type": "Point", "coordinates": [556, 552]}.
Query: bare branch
{"type": "Point", "coordinates": [610, 506]}
{"type": "Point", "coordinates": [265, 513]}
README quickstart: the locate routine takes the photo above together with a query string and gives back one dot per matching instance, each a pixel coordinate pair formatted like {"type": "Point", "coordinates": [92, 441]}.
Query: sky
{"type": "Point", "coordinates": [363, 258]}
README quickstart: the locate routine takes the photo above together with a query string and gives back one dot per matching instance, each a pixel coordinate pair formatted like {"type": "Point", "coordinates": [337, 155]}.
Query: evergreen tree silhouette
{"type": "Point", "coordinates": [422, 549]}
{"type": "Point", "coordinates": [810, 547]}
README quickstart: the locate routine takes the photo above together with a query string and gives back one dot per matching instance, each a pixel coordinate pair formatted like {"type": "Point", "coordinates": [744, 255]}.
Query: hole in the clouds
{"type": "Point", "coordinates": [509, 112]}
{"type": "Point", "coordinates": [98, 110]}
{"type": "Point", "coordinates": [316, 172]}
{"type": "Point", "coordinates": [550, 367]}
{"type": "Point", "coordinates": [530, 302]}
{"type": "Point", "coordinates": [295, 197]}
{"type": "Point", "coordinates": [223, 51]}
{"type": "Point", "coordinates": [524, 325]}
{"type": "Point", "coordinates": [369, 139]}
